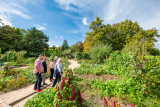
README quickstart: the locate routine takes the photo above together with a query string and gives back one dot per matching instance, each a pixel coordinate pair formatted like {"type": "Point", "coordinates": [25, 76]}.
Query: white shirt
{"type": "Point", "coordinates": [51, 65]}
{"type": "Point", "coordinates": [59, 67]}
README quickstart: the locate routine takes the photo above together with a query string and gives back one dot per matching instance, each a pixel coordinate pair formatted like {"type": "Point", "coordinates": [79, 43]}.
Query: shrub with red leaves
{"type": "Point", "coordinates": [105, 102]}
{"type": "Point", "coordinates": [79, 97]}
{"type": "Point", "coordinates": [62, 83]}
{"type": "Point", "coordinates": [73, 93]}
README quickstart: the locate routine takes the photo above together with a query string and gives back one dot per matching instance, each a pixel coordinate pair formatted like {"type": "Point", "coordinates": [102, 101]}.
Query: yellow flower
{"type": "Point", "coordinates": [153, 83]}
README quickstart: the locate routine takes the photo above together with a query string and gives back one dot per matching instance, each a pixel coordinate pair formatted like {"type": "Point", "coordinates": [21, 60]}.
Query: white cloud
{"type": "Point", "coordinates": [61, 37]}
{"type": "Point", "coordinates": [9, 9]}
{"type": "Point", "coordinates": [6, 19]}
{"type": "Point", "coordinates": [39, 27]}
{"type": "Point", "coordinates": [85, 21]}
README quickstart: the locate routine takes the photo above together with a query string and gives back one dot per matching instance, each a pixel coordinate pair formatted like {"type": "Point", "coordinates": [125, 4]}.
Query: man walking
{"type": "Point", "coordinates": [45, 70]}
{"type": "Point", "coordinates": [38, 68]}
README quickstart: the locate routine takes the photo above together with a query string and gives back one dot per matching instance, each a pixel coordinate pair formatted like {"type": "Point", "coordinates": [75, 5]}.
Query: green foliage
{"type": "Point", "coordinates": [67, 53]}
{"type": "Point", "coordinates": [45, 99]}
{"type": "Point", "coordinates": [139, 82]}
{"type": "Point", "coordinates": [100, 52]}
{"type": "Point", "coordinates": [78, 47]}
{"type": "Point", "coordinates": [35, 41]}
{"type": "Point", "coordinates": [154, 51]}
{"type": "Point", "coordinates": [86, 55]}
{"type": "Point", "coordinates": [15, 57]}
{"type": "Point", "coordinates": [118, 35]}
{"type": "Point", "coordinates": [11, 79]}
{"type": "Point", "coordinates": [65, 45]}
{"type": "Point", "coordinates": [79, 55]}
{"type": "Point", "coordinates": [62, 95]}
{"type": "Point", "coordinates": [10, 38]}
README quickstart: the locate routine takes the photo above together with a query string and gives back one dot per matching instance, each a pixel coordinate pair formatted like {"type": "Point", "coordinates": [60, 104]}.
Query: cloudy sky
{"type": "Point", "coordinates": [70, 19]}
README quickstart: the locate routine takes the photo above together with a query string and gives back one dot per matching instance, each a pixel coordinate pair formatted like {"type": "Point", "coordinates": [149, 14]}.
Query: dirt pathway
{"type": "Point", "coordinates": [22, 67]}
{"type": "Point", "coordinates": [73, 64]}
{"type": "Point", "coordinates": [18, 98]}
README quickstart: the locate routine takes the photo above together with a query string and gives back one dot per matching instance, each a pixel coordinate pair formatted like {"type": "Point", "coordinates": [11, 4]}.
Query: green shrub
{"type": "Point", "coordinates": [99, 52]}
{"type": "Point", "coordinates": [43, 99]}
{"type": "Point", "coordinates": [12, 56]}
{"type": "Point", "coordinates": [86, 55]}
{"type": "Point", "coordinates": [79, 56]}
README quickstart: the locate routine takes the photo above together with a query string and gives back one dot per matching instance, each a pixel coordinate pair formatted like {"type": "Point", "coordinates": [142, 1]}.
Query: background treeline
{"type": "Point", "coordinates": [32, 40]}
{"type": "Point", "coordinates": [126, 36]}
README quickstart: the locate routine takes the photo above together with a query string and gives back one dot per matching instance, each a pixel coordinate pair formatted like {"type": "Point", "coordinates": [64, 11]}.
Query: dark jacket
{"type": "Point", "coordinates": [45, 66]}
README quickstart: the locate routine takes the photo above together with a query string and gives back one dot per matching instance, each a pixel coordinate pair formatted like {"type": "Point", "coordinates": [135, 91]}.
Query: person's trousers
{"type": "Point", "coordinates": [38, 81]}
{"type": "Point", "coordinates": [51, 74]}
{"type": "Point", "coordinates": [58, 78]}
{"type": "Point", "coordinates": [44, 78]}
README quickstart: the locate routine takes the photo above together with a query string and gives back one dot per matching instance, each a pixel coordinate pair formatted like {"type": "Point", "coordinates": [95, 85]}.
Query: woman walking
{"type": "Point", "coordinates": [58, 71]}
{"type": "Point", "coordinates": [51, 65]}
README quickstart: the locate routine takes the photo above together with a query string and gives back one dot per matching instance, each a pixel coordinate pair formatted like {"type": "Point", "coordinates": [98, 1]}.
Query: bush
{"type": "Point", "coordinates": [79, 56]}
{"type": "Point", "coordinates": [154, 51]}
{"type": "Point", "coordinates": [13, 56]}
{"type": "Point", "coordinates": [86, 55]}
{"type": "Point", "coordinates": [99, 52]}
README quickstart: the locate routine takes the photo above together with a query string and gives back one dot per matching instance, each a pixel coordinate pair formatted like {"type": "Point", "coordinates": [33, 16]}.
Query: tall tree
{"type": "Point", "coordinates": [118, 35]}
{"type": "Point", "coordinates": [65, 45]}
{"type": "Point", "coordinates": [35, 41]}
{"type": "Point", "coordinates": [10, 38]}
{"type": "Point", "coordinates": [78, 47]}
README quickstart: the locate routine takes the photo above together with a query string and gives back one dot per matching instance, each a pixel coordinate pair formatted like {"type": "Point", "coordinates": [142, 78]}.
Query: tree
{"type": "Point", "coordinates": [78, 47]}
{"type": "Point", "coordinates": [35, 41]}
{"type": "Point", "coordinates": [10, 38]}
{"type": "Point", "coordinates": [65, 45]}
{"type": "Point", "coordinates": [53, 47]}
{"type": "Point", "coordinates": [117, 35]}
{"type": "Point", "coordinates": [1, 23]}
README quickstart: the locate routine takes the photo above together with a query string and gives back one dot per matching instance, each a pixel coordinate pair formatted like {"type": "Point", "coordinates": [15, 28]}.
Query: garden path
{"type": "Point", "coordinates": [18, 98]}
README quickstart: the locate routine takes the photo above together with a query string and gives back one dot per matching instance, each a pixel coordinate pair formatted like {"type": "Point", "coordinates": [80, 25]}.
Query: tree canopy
{"type": "Point", "coordinates": [65, 45]}
{"type": "Point", "coordinates": [118, 35]}
{"type": "Point", "coordinates": [33, 40]}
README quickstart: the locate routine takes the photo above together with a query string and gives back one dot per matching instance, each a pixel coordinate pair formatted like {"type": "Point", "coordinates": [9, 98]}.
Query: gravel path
{"type": "Point", "coordinates": [73, 64]}
{"type": "Point", "coordinates": [18, 98]}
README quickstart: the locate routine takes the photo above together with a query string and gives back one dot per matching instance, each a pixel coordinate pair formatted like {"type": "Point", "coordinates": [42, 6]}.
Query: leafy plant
{"type": "Point", "coordinates": [100, 52]}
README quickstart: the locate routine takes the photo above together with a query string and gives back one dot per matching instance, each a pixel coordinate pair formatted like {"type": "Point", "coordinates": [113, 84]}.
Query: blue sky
{"type": "Point", "coordinates": [69, 19]}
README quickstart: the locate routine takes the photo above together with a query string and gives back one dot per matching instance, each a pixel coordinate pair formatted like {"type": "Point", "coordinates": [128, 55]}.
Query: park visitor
{"type": "Point", "coordinates": [45, 70]}
{"type": "Point", "coordinates": [38, 68]}
{"type": "Point", "coordinates": [51, 65]}
{"type": "Point", "coordinates": [58, 71]}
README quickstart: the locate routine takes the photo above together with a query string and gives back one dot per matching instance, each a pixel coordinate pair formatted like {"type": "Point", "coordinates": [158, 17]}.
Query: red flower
{"type": "Point", "coordinates": [105, 102]}
{"type": "Point", "coordinates": [131, 105]}
{"type": "Point", "coordinates": [62, 83]}
{"type": "Point", "coordinates": [73, 93]}
{"type": "Point", "coordinates": [79, 97]}
{"type": "Point", "coordinates": [145, 92]}
{"type": "Point", "coordinates": [69, 81]}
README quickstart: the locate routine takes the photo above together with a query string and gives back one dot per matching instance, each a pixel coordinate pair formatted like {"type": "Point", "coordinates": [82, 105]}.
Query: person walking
{"type": "Point", "coordinates": [58, 71]}
{"type": "Point", "coordinates": [45, 70]}
{"type": "Point", "coordinates": [38, 68]}
{"type": "Point", "coordinates": [51, 65]}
